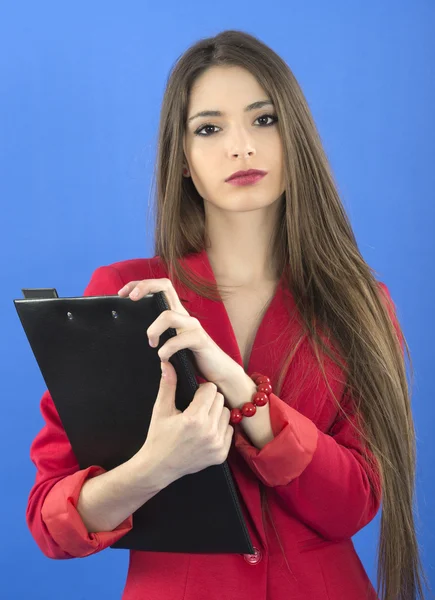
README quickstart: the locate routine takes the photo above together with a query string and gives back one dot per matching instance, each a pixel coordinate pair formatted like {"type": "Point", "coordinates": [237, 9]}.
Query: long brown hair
{"type": "Point", "coordinates": [332, 285]}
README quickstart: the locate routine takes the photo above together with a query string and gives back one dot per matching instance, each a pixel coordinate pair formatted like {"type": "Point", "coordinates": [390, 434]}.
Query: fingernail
{"type": "Point", "coordinates": [163, 368]}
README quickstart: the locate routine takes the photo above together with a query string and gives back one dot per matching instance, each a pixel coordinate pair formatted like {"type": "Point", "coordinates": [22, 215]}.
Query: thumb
{"type": "Point", "coordinates": [165, 401]}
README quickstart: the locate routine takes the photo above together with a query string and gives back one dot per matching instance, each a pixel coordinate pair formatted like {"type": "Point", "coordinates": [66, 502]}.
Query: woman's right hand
{"type": "Point", "coordinates": [187, 442]}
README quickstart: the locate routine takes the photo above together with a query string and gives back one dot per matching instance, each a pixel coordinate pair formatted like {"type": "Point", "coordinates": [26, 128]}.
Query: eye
{"type": "Point", "coordinates": [209, 125]}
{"type": "Point", "coordinates": [273, 117]}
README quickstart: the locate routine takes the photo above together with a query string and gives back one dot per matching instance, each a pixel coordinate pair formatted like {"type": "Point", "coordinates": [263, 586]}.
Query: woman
{"type": "Point", "coordinates": [264, 275]}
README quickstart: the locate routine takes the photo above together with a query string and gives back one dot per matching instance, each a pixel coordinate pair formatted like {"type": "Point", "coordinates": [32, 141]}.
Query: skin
{"type": "Point", "coordinates": [239, 224]}
{"type": "Point", "coordinates": [240, 220]}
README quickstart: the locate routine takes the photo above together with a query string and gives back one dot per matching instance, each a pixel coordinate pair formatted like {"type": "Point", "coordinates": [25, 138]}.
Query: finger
{"type": "Point", "coordinates": [217, 411]}
{"type": "Point", "coordinates": [165, 401]}
{"type": "Point", "coordinates": [128, 287]}
{"type": "Point", "coordinates": [224, 419]}
{"type": "Point", "coordinates": [203, 400]}
{"type": "Point", "coordinates": [152, 286]}
{"type": "Point", "coordinates": [170, 318]}
{"type": "Point", "coordinates": [187, 339]}
{"type": "Point", "coordinates": [228, 438]}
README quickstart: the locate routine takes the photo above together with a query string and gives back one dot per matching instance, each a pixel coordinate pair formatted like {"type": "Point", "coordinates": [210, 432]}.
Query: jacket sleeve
{"type": "Point", "coordinates": [51, 514]}
{"type": "Point", "coordinates": [322, 478]}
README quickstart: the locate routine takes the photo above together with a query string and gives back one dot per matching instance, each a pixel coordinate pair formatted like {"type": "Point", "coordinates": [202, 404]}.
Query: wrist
{"type": "Point", "coordinates": [148, 471]}
{"type": "Point", "coordinates": [240, 390]}
{"type": "Point", "coordinates": [238, 387]}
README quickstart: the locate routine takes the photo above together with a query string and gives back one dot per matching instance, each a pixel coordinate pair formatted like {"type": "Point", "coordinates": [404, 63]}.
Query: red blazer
{"type": "Point", "coordinates": [319, 488]}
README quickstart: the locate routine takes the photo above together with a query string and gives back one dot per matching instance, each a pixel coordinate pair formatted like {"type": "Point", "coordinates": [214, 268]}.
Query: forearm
{"type": "Point", "coordinates": [238, 389]}
{"type": "Point", "coordinates": [108, 499]}
{"type": "Point", "coordinates": [349, 489]}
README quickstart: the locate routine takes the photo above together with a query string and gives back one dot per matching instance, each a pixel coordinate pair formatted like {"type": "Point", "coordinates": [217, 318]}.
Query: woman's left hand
{"type": "Point", "coordinates": [212, 362]}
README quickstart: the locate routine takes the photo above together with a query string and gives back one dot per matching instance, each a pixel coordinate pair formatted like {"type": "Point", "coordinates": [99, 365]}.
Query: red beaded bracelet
{"type": "Point", "coordinates": [260, 398]}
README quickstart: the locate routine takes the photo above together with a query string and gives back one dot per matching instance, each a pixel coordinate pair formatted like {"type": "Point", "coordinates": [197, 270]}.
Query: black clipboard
{"type": "Point", "coordinates": [103, 376]}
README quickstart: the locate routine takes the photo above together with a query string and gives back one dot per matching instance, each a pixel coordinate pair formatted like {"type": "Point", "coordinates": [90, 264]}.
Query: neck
{"type": "Point", "coordinates": [239, 246]}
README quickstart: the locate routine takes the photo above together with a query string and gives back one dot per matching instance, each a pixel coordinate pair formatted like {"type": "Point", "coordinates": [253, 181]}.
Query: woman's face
{"type": "Point", "coordinates": [217, 146]}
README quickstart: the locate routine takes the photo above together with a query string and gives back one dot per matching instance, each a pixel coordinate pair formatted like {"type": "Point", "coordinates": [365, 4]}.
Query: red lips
{"type": "Point", "coordinates": [245, 173]}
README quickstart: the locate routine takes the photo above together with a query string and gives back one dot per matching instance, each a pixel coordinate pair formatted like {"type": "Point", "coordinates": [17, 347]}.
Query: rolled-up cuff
{"type": "Point", "coordinates": [286, 456]}
{"type": "Point", "coordinates": [64, 523]}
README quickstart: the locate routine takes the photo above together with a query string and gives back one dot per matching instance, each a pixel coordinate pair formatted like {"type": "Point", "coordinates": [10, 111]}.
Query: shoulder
{"type": "Point", "coordinates": [388, 301]}
{"type": "Point", "coordinates": [138, 268]}
{"type": "Point", "coordinates": [384, 289]}
{"type": "Point", "coordinates": [108, 279]}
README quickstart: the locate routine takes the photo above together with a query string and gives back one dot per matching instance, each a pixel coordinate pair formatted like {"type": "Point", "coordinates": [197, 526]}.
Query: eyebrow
{"type": "Point", "coordinates": [218, 113]}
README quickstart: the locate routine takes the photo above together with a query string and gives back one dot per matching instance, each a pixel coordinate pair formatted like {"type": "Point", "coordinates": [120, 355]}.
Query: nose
{"type": "Point", "coordinates": [245, 154]}
{"type": "Point", "coordinates": [241, 146]}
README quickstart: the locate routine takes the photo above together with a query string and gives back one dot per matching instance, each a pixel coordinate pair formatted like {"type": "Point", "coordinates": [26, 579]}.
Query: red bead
{"type": "Point", "coordinates": [255, 375]}
{"type": "Point", "coordinates": [260, 399]}
{"type": "Point", "coordinates": [249, 409]}
{"type": "Point", "coordinates": [236, 416]}
{"type": "Point", "coordinates": [262, 379]}
{"type": "Point", "coordinates": [264, 387]}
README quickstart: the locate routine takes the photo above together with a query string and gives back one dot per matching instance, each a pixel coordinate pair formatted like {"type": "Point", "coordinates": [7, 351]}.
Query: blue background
{"type": "Point", "coordinates": [80, 92]}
